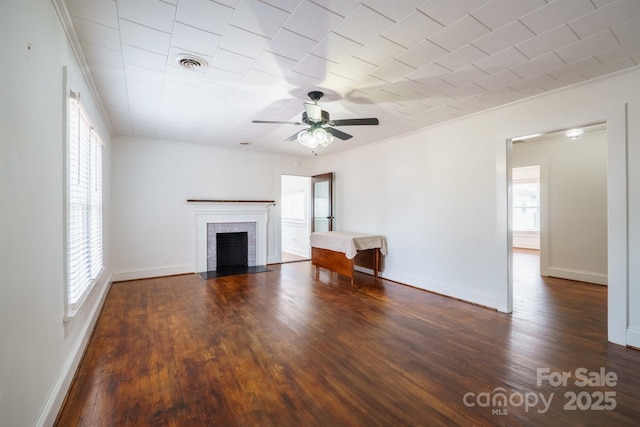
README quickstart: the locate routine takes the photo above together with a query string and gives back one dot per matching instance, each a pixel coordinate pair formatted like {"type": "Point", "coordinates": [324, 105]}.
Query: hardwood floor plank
{"type": "Point", "coordinates": [283, 349]}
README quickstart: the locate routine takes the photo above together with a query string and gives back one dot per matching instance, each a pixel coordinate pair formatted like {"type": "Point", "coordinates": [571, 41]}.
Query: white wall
{"type": "Point", "coordinates": [153, 224]}
{"type": "Point", "coordinates": [39, 352]}
{"type": "Point", "coordinates": [296, 231]}
{"type": "Point", "coordinates": [575, 212]}
{"type": "Point", "coordinates": [440, 196]}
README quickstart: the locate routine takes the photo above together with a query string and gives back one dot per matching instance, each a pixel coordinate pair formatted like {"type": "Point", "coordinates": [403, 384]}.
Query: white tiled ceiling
{"type": "Point", "coordinates": [410, 63]}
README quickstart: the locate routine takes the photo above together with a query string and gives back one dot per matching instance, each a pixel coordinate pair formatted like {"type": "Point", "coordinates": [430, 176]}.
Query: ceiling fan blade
{"type": "Point", "coordinates": [314, 112]}
{"type": "Point", "coordinates": [292, 137]}
{"type": "Point", "coordinates": [277, 123]}
{"type": "Point", "coordinates": [355, 122]}
{"type": "Point", "coordinates": [338, 133]}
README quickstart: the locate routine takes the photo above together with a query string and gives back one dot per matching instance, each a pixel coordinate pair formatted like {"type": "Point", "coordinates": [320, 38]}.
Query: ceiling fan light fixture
{"type": "Point", "coordinates": [314, 138]}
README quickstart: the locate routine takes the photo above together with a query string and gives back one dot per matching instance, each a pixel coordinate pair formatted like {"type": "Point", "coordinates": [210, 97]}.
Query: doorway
{"type": "Point", "coordinates": [558, 195]}
{"type": "Point", "coordinates": [295, 227]}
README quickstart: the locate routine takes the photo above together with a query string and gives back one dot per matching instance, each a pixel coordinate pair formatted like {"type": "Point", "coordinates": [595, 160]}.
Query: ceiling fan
{"type": "Point", "coordinates": [321, 130]}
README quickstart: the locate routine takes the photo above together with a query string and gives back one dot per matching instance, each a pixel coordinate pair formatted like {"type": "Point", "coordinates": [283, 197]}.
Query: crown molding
{"type": "Point", "coordinates": [72, 37]}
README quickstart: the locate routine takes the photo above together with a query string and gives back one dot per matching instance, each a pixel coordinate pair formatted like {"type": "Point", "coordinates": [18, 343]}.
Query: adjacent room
{"type": "Point", "coordinates": [319, 212]}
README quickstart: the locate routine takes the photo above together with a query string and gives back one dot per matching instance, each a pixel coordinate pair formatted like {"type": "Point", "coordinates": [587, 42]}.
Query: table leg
{"type": "Point", "coordinates": [376, 262]}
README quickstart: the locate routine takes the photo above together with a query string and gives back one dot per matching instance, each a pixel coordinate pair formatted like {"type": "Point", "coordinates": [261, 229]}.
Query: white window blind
{"type": "Point", "coordinates": [84, 210]}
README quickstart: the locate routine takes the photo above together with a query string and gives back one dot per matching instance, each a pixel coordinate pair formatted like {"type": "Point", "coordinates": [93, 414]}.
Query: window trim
{"type": "Point", "coordinates": [92, 239]}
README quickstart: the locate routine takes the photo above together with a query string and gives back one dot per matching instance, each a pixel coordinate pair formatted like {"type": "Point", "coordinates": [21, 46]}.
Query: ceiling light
{"type": "Point", "coordinates": [574, 133]}
{"type": "Point", "coordinates": [312, 138]}
{"type": "Point", "coordinates": [190, 62]}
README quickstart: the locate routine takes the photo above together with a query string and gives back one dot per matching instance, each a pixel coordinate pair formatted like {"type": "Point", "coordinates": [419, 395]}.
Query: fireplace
{"type": "Point", "coordinates": [215, 217]}
{"type": "Point", "coordinates": [227, 232]}
{"type": "Point", "coordinates": [232, 250]}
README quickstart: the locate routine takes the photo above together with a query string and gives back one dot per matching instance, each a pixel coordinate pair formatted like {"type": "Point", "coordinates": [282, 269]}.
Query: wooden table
{"type": "Point", "coordinates": [340, 251]}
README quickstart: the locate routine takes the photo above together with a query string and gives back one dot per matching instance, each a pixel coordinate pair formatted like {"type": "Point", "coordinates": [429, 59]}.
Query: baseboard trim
{"type": "Point", "coordinates": [451, 290]}
{"type": "Point", "coordinates": [633, 337]}
{"type": "Point", "coordinates": [579, 275]}
{"type": "Point", "coordinates": [61, 388]}
{"type": "Point", "coordinates": [146, 273]}
{"type": "Point", "coordinates": [296, 251]}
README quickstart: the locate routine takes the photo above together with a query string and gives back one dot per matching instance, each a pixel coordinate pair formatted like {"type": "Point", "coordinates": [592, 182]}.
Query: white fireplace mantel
{"type": "Point", "coordinates": [226, 211]}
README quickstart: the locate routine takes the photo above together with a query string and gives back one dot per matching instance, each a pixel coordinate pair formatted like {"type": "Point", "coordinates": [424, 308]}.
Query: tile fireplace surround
{"type": "Point", "coordinates": [228, 215]}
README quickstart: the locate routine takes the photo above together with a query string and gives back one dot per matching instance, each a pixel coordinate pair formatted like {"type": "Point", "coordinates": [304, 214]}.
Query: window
{"type": "Point", "coordinates": [526, 199]}
{"type": "Point", "coordinates": [84, 205]}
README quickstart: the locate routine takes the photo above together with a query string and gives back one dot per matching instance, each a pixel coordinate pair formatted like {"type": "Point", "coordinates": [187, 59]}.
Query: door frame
{"type": "Point", "coordinates": [617, 214]}
{"type": "Point", "coordinates": [325, 177]}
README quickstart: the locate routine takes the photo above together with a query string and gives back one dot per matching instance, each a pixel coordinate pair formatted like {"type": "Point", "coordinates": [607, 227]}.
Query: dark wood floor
{"type": "Point", "coordinates": [282, 349]}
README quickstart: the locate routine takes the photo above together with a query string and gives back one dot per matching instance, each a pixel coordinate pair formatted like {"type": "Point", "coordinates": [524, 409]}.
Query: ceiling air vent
{"type": "Point", "coordinates": [190, 62]}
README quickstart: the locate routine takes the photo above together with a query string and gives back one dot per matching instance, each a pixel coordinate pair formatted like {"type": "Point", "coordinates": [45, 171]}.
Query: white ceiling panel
{"type": "Point", "coordinates": [103, 55]}
{"type": "Point", "coordinates": [340, 7]}
{"type": "Point", "coordinates": [555, 13]}
{"type": "Point", "coordinates": [312, 66]}
{"type": "Point", "coordinates": [205, 14]}
{"type": "Point", "coordinates": [143, 37]}
{"type": "Point", "coordinates": [429, 72]}
{"type": "Point", "coordinates": [97, 11]}
{"type": "Point", "coordinates": [547, 62]}
{"type": "Point", "coordinates": [465, 93]}
{"type": "Point", "coordinates": [591, 46]}
{"type": "Point", "coordinates": [258, 17]}
{"type": "Point", "coordinates": [462, 57]}
{"type": "Point", "coordinates": [412, 63]}
{"type": "Point", "coordinates": [363, 25]}
{"type": "Point", "coordinates": [564, 82]}
{"type": "Point", "coordinates": [606, 17]}
{"type": "Point", "coordinates": [352, 68]}
{"type": "Point", "coordinates": [609, 68]}
{"type": "Point", "coordinates": [379, 51]}
{"type": "Point", "coordinates": [577, 67]}
{"type": "Point", "coordinates": [618, 53]}
{"type": "Point", "coordinates": [143, 58]}
{"type": "Point", "coordinates": [270, 63]}
{"type": "Point", "coordinates": [549, 41]}
{"type": "Point", "coordinates": [189, 77]}
{"type": "Point", "coordinates": [335, 47]}
{"type": "Point", "coordinates": [97, 34]}
{"type": "Point", "coordinates": [392, 71]}
{"type": "Point", "coordinates": [446, 12]}
{"type": "Point", "coordinates": [394, 10]}
{"type": "Point", "coordinates": [222, 77]}
{"type": "Point", "coordinates": [290, 45]}
{"type": "Point", "coordinates": [195, 40]}
{"type": "Point", "coordinates": [230, 61]}
{"type": "Point", "coordinates": [150, 13]}
{"type": "Point", "coordinates": [628, 32]}
{"type": "Point", "coordinates": [503, 38]}
{"type": "Point", "coordinates": [311, 21]}
{"type": "Point", "coordinates": [422, 54]}
{"type": "Point", "coordinates": [413, 29]}
{"type": "Point", "coordinates": [464, 77]}
{"type": "Point", "coordinates": [498, 80]}
{"type": "Point", "coordinates": [462, 32]}
{"type": "Point", "coordinates": [133, 72]}
{"type": "Point", "coordinates": [287, 5]}
{"type": "Point", "coordinates": [505, 59]}
{"type": "Point", "coordinates": [243, 42]}
{"type": "Point", "coordinates": [498, 13]}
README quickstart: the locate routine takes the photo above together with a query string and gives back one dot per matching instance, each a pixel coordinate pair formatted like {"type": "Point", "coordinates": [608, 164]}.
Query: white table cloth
{"type": "Point", "coordinates": [347, 242]}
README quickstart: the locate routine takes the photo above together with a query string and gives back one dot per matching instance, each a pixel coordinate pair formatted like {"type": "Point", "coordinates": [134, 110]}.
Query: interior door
{"type": "Point", "coordinates": [322, 206]}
